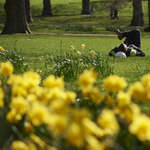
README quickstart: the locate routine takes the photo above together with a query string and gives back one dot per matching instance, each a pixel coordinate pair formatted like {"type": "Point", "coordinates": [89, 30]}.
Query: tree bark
{"type": "Point", "coordinates": [28, 11]}
{"type": "Point", "coordinates": [85, 7]}
{"type": "Point", "coordinates": [137, 19]}
{"type": "Point", "coordinates": [16, 21]}
{"type": "Point", "coordinates": [47, 11]}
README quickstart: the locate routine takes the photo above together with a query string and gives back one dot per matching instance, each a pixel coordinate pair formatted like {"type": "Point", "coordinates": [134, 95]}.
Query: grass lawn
{"type": "Point", "coordinates": [34, 46]}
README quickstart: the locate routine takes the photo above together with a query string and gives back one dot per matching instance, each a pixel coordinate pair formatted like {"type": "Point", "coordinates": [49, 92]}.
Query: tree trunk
{"type": "Point", "coordinates": [47, 11]}
{"type": "Point", "coordinates": [28, 11]}
{"type": "Point", "coordinates": [85, 7]}
{"type": "Point", "coordinates": [137, 19]}
{"type": "Point", "coordinates": [148, 28]}
{"type": "Point", "coordinates": [16, 21]}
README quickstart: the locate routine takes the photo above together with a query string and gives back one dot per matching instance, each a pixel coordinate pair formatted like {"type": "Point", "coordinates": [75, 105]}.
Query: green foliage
{"type": "Point", "coordinates": [70, 65]}
{"type": "Point", "coordinates": [16, 59]}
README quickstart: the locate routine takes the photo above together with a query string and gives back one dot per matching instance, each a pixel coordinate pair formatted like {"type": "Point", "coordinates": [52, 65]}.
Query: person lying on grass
{"type": "Point", "coordinates": [132, 44]}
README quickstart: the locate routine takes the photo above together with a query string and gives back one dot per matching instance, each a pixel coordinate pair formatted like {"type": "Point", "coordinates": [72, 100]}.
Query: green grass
{"type": "Point", "coordinates": [33, 47]}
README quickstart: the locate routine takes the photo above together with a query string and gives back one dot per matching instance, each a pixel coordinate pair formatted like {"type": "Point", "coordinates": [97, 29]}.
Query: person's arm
{"type": "Point", "coordinates": [113, 51]}
{"type": "Point", "coordinates": [139, 51]}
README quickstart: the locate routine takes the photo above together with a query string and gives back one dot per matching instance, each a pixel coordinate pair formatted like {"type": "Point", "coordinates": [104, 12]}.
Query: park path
{"type": "Point", "coordinates": [71, 34]}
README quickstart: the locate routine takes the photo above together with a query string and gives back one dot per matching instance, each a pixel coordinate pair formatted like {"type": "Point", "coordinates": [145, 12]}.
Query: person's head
{"type": "Point", "coordinates": [122, 47]}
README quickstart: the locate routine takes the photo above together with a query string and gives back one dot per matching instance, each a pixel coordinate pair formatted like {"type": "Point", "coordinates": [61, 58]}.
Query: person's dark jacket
{"type": "Point", "coordinates": [139, 52]}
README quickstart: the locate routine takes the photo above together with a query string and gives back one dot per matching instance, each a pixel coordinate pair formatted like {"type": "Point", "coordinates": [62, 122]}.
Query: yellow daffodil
{"type": "Point", "coordinates": [93, 143]}
{"type": "Point", "coordinates": [108, 122]}
{"type": "Point", "coordinates": [1, 97]}
{"type": "Point", "coordinates": [87, 78]}
{"type": "Point", "coordinates": [74, 135]}
{"type": "Point", "coordinates": [138, 92]}
{"type": "Point", "coordinates": [58, 124]}
{"type": "Point", "coordinates": [19, 145]}
{"type": "Point", "coordinates": [19, 104]}
{"type": "Point", "coordinates": [78, 52]}
{"type": "Point", "coordinates": [70, 97]}
{"type": "Point", "coordinates": [109, 101]}
{"type": "Point", "coordinates": [141, 127]}
{"type": "Point", "coordinates": [91, 128]}
{"type": "Point", "coordinates": [123, 98]}
{"type": "Point", "coordinates": [13, 116]}
{"type": "Point", "coordinates": [37, 140]}
{"type": "Point", "coordinates": [127, 112]}
{"type": "Point", "coordinates": [1, 48]}
{"type": "Point", "coordinates": [114, 83]}
{"type": "Point", "coordinates": [38, 114]}
{"type": "Point", "coordinates": [6, 69]}
{"type": "Point", "coordinates": [72, 47]}
{"type": "Point", "coordinates": [83, 46]}
{"type": "Point", "coordinates": [52, 82]}
{"type": "Point", "coordinates": [39, 71]}
{"type": "Point", "coordinates": [28, 127]}
{"type": "Point", "coordinates": [146, 83]}
{"type": "Point", "coordinates": [92, 52]}
{"type": "Point", "coordinates": [58, 106]}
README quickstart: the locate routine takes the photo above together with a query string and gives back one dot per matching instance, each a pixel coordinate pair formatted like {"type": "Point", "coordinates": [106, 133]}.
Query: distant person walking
{"type": "Point", "coordinates": [111, 12]}
{"type": "Point", "coordinates": [116, 13]}
{"type": "Point", "coordinates": [91, 11]}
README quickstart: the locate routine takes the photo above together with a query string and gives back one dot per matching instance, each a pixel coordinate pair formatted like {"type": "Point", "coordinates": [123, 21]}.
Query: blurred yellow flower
{"type": "Point", "coordinates": [54, 94]}
{"type": "Point", "coordinates": [70, 97]}
{"type": "Point", "coordinates": [19, 145]}
{"type": "Point", "coordinates": [74, 135]}
{"type": "Point", "coordinates": [91, 128]}
{"type": "Point", "coordinates": [19, 104]}
{"type": "Point", "coordinates": [108, 122]}
{"type": "Point", "coordinates": [37, 140]}
{"type": "Point", "coordinates": [93, 143]}
{"type": "Point", "coordinates": [39, 71]}
{"type": "Point", "coordinates": [141, 127]}
{"type": "Point", "coordinates": [1, 97]}
{"type": "Point", "coordinates": [127, 112]}
{"type": "Point", "coordinates": [13, 117]}
{"type": "Point", "coordinates": [82, 45]}
{"type": "Point", "coordinates": [138, 91]}
{"type": "Point", "coordinates": [31, 79]}
{"type": "Point", "coordinates": [61, 41]}
{"type": "Point", "coordinates": [114, 83]}
{"type": "Point", "coordinates": [38, 114]}
{"type": "Point", "coordinates": [1, 48]}
{"type": "Point", "coordinates": [72, 47]}
{"type": "Point", "coordinates": [92, 52]}
{"type": "Point", "coordinates": [146, 83]}
{"type": "Point", "coordinates": [78, 52]}
{"type": "Point", "coordinates": [58, 106]}
{"type": "Point", "coordinates": [52, 82]}
{"type": "Point", "coordinates": [109, 101]}
{"type": "Point", "coordinates": [123, 98]}
{"type": "Point", "coordinates": [79, 114]}
{"type": "Point", "coordinates": [58, 124]}
{"type": "Point", "coordinates": [28, 127]}
{"type": "Point", "coordinates": [6, 69]}
{"type": "Point", "coordinates": [87, 78]}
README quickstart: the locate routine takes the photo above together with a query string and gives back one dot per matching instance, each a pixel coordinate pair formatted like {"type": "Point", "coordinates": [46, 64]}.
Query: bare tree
{"type": "Point", "coordinates": [28, 11]}
{"type": "Point", "coordinates": [137, 19]}
{"type": "Point", "coordinates": [47, 11]}
{"type": "Point", "coordinates": [16, 21]}
{"type": "Point", "coordinates": [85, 7]}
